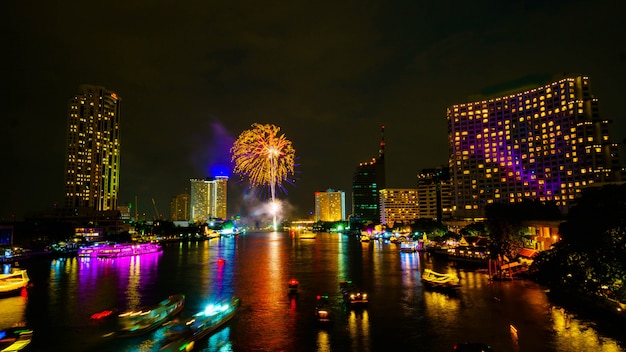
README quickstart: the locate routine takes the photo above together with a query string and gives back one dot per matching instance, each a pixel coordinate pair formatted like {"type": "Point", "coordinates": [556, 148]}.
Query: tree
{"type": "Point", "coordinates": [591, 256]}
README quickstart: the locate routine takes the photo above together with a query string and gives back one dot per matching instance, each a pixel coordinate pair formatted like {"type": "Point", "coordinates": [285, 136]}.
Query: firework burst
{"type": "Point", "coordinates": [263, 156]}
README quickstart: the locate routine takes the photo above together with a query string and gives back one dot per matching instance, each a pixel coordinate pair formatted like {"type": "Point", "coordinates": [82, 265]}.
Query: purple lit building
{"type": "Point", "coordinates": [541, 141]}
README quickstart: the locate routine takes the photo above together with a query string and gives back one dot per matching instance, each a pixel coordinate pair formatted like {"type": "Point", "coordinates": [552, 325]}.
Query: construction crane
{"type": "Point", "coordinates": [156, 211]}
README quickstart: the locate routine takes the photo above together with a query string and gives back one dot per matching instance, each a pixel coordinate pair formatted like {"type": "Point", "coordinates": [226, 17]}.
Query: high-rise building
{"type": "Point", "coordinates": [434, 190]}
{"type": "Point", "coordinates": [542, 141]}
{"type": "Point", "coordinates": [330, 206]}
{"type": "Point", "coordinates": [180, 207]}
{"type": "Point", "coordinates": [208, 199]}
{"type": "Point", "coordinates": [92, 162]}
{"type": "Point", "coordinates": [368, 180]}
{"type": "Point", "coordinates": [398, 206]}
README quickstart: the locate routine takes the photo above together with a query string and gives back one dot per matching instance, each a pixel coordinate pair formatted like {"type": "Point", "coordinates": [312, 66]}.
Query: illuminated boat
{"type": "Point", "coordinates": [118, 250]}
{"type": "Point", "coordinates": [322, 309]}
{"type": "Point", "coordinates": [408, 246]}
{"type": "Point", "coordinates": [353, 297]}
{"type": "Point", "coordinates": [13, 281]}
{"type": "Point", "coordinates": [293, 286]}
{"type": "Point", "coordinates": [183, 336]}
{"type": "Point", "coordinates": [434, 279]}
{"type": "Point", "coordinates": [137, 322]}
{"type": "Point", "coordinates": [15, 339]}
{"type": "Point", "coordinates": [307, 235]}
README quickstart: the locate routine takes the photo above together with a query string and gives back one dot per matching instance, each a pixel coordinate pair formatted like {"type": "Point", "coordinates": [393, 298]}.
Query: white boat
{"type": "Point", "coordinates": [13, 281]}
{"type": "Point", "coordinates": [434, 279]}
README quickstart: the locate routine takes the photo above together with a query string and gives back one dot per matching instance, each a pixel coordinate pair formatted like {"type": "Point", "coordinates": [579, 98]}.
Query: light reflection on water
{"type": "Point", "coordinates": [257, 267]}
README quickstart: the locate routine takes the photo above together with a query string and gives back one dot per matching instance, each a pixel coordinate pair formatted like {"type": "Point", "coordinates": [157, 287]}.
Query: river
{"type": "Point", "coordinates": [256, 267]}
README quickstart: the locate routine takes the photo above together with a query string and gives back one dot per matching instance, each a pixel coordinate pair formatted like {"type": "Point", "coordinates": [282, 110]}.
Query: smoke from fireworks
{"type": "Point", "coordinates": [264, 157]}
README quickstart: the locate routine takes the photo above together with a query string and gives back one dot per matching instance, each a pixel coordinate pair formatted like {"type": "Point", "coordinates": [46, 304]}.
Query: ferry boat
{"type": "Point", "coordinates": [137, 322]}
{"type": "Point", "coordinates": [116, 250]}
{"type": "Point", "coordinates": [15, 338]}
{"type": "Point", "coordinates": [183, 336]}
{"type": "Point", "coordinates": [13, 281]}
{"type": "Point", "coordinates": [353, 297]}
{"type": "Point", "coordinates": [437, 280]}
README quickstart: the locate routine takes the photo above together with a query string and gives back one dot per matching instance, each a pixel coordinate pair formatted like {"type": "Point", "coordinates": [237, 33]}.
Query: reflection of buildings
{"type": "Point", "coordinates": [398, 206]}
{"type": "Point", "coordinates": [330, 206]}
{"type": "Point", "coordinates": [180, 207]}
{"type": "Point", "coordinates": [208, 198]}
{"type": "Point", "coordinates": [541, 141]}
{"type": "Point", "coordinates": [368, 180]}
{"type": "Point", "coordinates": [435, 194]}
{"type": "Point", "coordinates": [92, 163]}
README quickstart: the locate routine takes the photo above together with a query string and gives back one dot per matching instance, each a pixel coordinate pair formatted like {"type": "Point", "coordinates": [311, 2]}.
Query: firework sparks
{"type": "Point", "coordinates": [263, 155]}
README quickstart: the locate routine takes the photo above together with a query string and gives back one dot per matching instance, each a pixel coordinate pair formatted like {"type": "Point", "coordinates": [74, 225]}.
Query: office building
{"type": "Point", "coordinates": [330, 206]}
{"type": "Point", "coordinates": [434, 194]}
{"type": "Point", "coordinates": [92, 162]}
{"type": "Point", "coordinates": [536, 140]}
{"type": "Point", "coordinates": [367, 181]}
{"type": "Point", "coordinates": [180, 207]}
{"type": "Point", "coordinates": [208, 199]}
{"type": "Point", "coordinates": [398, 206]}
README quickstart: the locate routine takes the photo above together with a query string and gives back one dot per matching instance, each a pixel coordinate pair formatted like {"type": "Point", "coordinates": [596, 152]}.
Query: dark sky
{"type": "Point", "coordinates": [194, 74]}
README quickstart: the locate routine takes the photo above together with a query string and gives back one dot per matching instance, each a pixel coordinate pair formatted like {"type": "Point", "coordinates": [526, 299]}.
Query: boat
{"type": "Point", "coordinates": [434, 279]}
{"type": "Point", "coordinates": [408, 246]}
{"type": "Point", "coordinates": [352, 295]}
{"type": "Point", "coordinates": [307, 235]}
{"type": "Point", "coordinates": [13, 281]}
{"type": "Point", "coordinates": [141, 321]}
{"type": "Point", "coordinates": [15, 338]}
{"type": "Point", "coordinates": [184, 335]}
{"type": "Point", "coordinates": [322, 309]}
{"type": "Point", "coordinates": [116, 250]}
{"type": "Point", "coordinates": [292, 286]}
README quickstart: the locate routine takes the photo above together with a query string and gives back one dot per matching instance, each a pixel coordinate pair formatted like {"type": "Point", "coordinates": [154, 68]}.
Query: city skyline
{"type": "Point", "coordinates": [329, 75]}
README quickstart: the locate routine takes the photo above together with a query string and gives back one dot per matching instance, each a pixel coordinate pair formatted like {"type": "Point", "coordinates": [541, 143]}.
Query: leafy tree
{"type": "Point", "coordinates": [591, 256]}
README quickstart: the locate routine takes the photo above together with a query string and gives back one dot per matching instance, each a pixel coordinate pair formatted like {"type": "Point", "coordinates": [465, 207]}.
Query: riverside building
{"type": "Point", "coordinates": [542, 141]}
{"type": "Point", "coordinates": [208, 198]}
{"type": "Point", "coordinates": [92, 161]}
{"type": "Point", "coordinates": [367, 181]}
{"type": "Point", "coordinates": [330, 206]}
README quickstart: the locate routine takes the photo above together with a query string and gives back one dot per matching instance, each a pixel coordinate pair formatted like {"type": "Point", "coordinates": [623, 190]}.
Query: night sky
{"type": "Point", "coordinates": [193, 75]}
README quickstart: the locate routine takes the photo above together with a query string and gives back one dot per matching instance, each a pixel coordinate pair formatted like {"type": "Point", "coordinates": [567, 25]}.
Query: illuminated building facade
{"type": "Point", "coordinates": [398, 206]}
{"type": "Point", "coordinates": [330, 206]}
{"type": "Point", "coordinates": [92, 162]}
{"type": "Point", "coordinates": [368, 180]}
{"type": "Point", "coordinates": [543, 142]}
{"type": "Point", "coordinates": [208, 199]}
{"type": "Point", "coordinates": [180, 207]}
{"type": "Point", "coordinates": [434, 194]}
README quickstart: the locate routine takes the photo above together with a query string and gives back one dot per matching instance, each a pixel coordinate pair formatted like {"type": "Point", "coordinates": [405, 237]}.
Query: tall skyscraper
{"type": "Point", "coordinates": [434, 190]}
{"type": "Point", "coordinates": [368, 180]}
{"type": "Point", "coordinates": [398, 206]}
{"type": "Point", "coordinates": [545, 141]}
{"type": "Point", "coordinates": [208, 199]}
{"type": "Point", "coordinates": [92, 163]}
{"type": "Point", "coordinates": [330, 206]}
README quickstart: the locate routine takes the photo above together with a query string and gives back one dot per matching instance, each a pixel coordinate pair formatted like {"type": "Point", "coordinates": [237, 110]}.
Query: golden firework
{"type": "Point", "coordinates": [263, 155]}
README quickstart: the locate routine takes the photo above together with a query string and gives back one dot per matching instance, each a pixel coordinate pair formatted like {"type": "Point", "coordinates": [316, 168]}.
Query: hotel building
{"type": "Point", "coordinates": [330, 206]}
{"type": "Point", "coordinates": [208, 199]}
{"type": "Point", "coordinates": [92, 161]}
{"type": "Point", "coordinates": [545, 141]}
{"type": "Point", "coordinates": [398, 206]}
{"type": "Point", "coordinates": [434, 194]}
{"type": "Point", "coordinates": [180, 207]}
{"type": "Point", "coordinates": [367, 181]}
